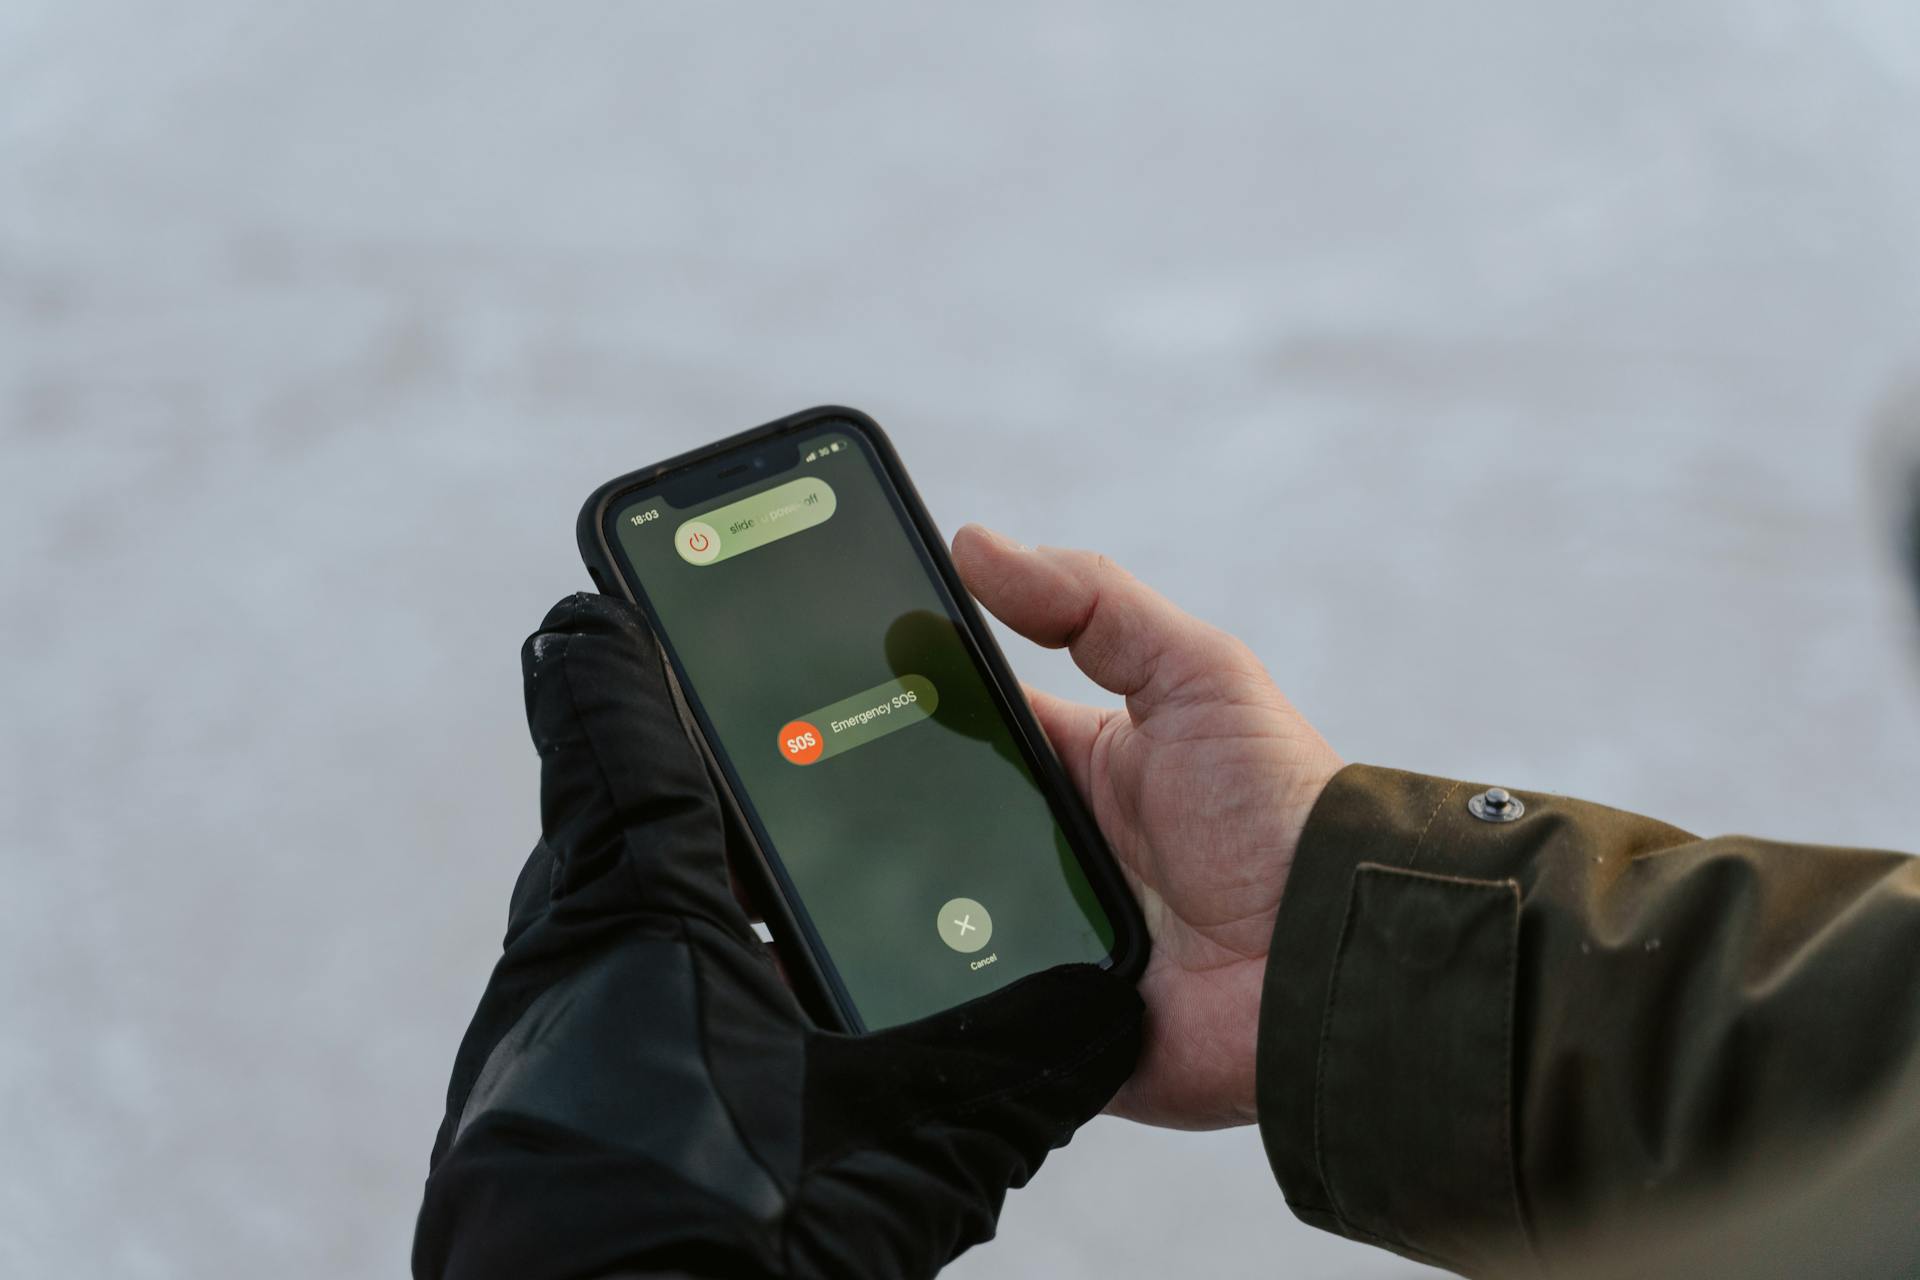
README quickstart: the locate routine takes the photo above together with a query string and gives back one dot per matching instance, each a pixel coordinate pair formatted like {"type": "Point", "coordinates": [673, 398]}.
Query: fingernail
{"type": "Point", "coordinates": [1001, 538]}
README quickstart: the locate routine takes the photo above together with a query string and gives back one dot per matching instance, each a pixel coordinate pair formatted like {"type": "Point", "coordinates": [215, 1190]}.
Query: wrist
{"type": "Point", "coordinates": [1303, 790]}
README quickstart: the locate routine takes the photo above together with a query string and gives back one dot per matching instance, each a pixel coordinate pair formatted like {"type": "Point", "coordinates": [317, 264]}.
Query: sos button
{"type": "Point", "coordinates": [800, 742]}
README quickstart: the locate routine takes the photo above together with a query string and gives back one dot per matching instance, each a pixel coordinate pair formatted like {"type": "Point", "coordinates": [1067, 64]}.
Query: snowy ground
{"type": "Point", "coordinates": [1503, 372]}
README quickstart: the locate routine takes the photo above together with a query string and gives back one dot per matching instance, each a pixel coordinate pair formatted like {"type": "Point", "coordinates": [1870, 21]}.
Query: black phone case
{"type": "Point", "coordinates": [813, 981]}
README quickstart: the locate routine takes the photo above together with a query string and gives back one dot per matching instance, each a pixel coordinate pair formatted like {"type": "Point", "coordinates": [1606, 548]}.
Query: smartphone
{"type": "Point", "coordinates": [903, 825]}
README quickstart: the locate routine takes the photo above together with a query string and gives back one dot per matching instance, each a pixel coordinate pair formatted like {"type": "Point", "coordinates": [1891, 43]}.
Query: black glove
{"type": "Point", "coordinates": [640, 1093]}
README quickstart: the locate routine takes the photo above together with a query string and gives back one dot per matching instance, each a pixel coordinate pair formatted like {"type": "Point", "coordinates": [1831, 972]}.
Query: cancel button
{"type": "Point", "coordinates": [965, 925]}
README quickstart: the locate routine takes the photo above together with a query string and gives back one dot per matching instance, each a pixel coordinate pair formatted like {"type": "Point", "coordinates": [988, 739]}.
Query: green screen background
{"type": "Point", "coordinates": [877, 838]}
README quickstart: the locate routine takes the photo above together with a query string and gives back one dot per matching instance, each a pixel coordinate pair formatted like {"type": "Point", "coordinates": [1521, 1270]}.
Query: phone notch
{"type": "Point", "coordinates": [730, 471]}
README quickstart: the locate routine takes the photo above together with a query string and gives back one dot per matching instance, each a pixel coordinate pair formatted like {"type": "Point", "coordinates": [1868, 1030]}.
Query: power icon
{"type": "Point", "coordinates": [697, 542]}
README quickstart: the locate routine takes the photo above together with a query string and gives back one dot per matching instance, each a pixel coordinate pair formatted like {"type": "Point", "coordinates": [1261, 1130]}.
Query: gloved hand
{"type": "Point", "coordinates": [639, 1093]}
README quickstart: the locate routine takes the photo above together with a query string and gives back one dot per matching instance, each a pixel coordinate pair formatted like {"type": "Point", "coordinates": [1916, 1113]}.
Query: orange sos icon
{"type": "Point", "coordinates": [800, 742]}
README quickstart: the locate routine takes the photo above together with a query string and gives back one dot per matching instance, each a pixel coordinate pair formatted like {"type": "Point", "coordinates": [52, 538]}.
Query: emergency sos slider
{"type": "Point", "coordinates": [851, 722]}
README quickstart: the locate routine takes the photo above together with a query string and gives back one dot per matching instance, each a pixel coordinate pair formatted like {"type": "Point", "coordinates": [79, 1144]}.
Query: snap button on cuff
{"type": "Point", "coordinates": [1495, 805]}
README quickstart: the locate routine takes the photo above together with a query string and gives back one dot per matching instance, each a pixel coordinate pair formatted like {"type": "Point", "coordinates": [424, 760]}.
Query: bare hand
{"type": "Point", "coordinates": [1201, 785]}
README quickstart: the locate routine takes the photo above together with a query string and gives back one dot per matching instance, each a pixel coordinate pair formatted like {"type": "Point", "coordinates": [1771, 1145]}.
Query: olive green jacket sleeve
{"type": "Point", "coordinates": [1537, 1043]}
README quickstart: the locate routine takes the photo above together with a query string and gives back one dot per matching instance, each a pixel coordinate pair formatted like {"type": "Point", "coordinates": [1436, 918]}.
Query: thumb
{"type": "Point", "coordinates": [1059, 1043]}
{"type": "Point", "coordinates": [626, 808]}
{"type": "Point", "coordinates": [917, 1132]}
{"type": "Point", "coordinates": [1035, 1060]}
{"type": "Point", "coordinates": [1127, 637]}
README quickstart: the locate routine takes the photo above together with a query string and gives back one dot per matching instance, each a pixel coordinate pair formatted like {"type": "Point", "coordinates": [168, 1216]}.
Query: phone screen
{"type": "Point", "coordinates": [840, 691]}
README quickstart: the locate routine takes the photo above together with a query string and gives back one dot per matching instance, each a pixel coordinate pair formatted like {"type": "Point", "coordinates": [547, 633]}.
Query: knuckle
{"type": "Point", "coordinates": [1105, 566]}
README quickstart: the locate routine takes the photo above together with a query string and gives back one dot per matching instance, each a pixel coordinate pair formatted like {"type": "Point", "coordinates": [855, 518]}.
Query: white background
{"type": "Point", "coordinates": [1504, 373]}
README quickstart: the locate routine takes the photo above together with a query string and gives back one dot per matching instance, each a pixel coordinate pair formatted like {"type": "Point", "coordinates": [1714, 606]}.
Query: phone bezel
{"type": "Point", "coordinates": [814, 978]}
